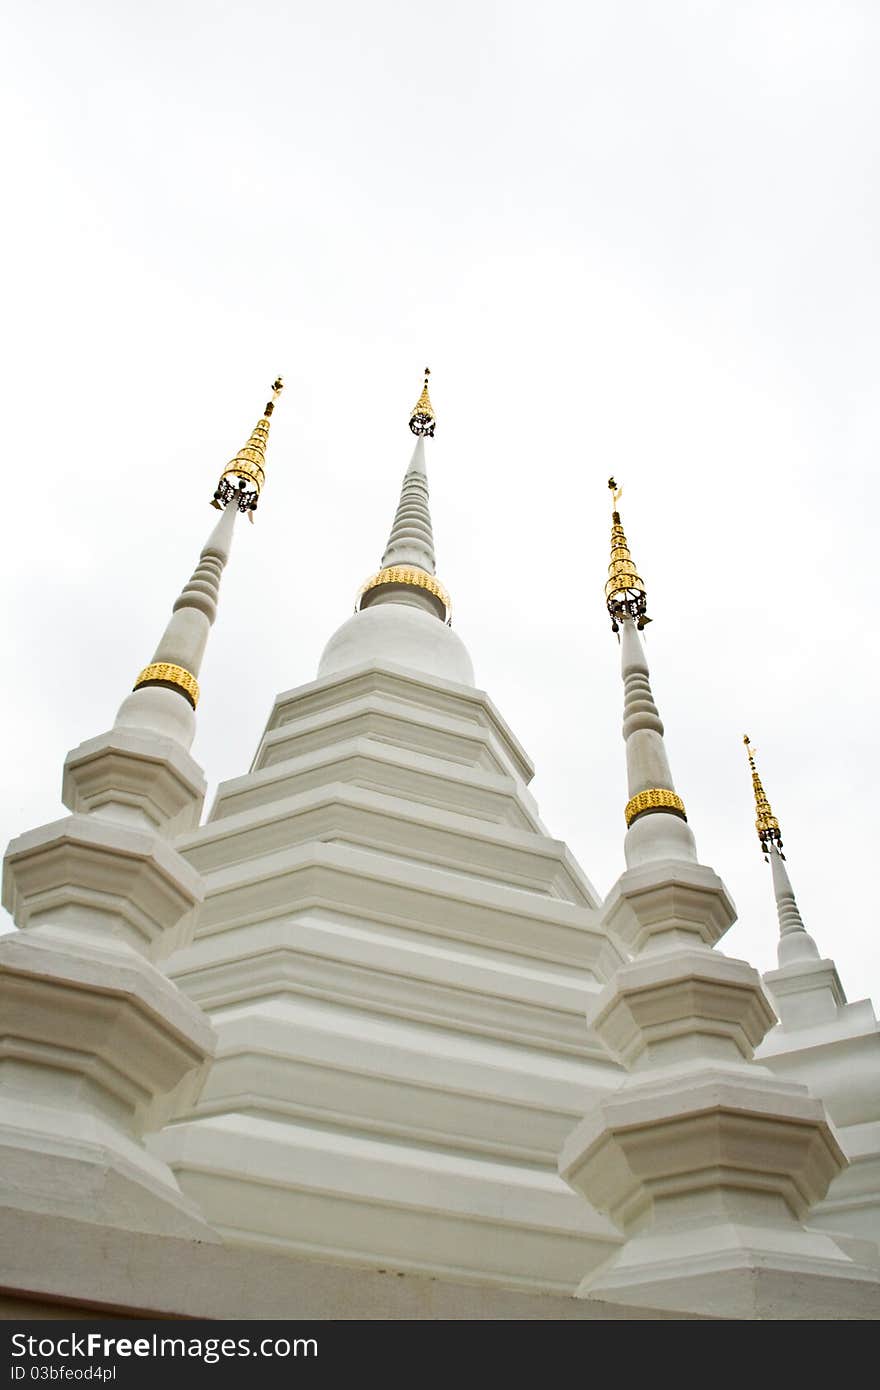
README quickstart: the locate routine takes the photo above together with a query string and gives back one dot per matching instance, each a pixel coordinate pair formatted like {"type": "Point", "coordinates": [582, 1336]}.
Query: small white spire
{"type": "Point", "coordinates": [396, 611]}
{"type": "Point", "coordinates": [795, 942]}
{"type": "Point", "coordinates": [408, 568]}
{"type": "Point", "coordinates": [655, 815]}
{"type": "Point", "coordinates": [183, 641]}
{"type": "Point", "coordinates": [656, 821]}
{"type": "Point", "coordinates": [167, 690]}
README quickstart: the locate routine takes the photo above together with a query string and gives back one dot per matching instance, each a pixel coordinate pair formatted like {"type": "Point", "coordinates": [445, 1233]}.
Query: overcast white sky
{"type": "Point", "coordinates": [627, 237]}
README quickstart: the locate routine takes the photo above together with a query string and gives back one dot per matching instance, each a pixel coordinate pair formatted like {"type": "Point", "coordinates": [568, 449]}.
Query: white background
{"type": "Point", "coordinates": [626, 237]}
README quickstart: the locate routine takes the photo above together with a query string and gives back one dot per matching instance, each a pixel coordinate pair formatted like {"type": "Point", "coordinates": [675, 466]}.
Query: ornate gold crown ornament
{"type": "Point", "coordinates": [423, 419]}
{"type": "Point", "coordinates": [766, 824]}
{"type": "Point", "coordinates": [243, 478]}
{"type": "Point", "coordinates": [625, 594]}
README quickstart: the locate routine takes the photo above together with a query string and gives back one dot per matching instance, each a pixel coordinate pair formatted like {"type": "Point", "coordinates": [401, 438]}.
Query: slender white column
{"type": "Point", "coordinates": [795, 942]}
{"type": "Point", "coordinates": [406, 579]}
{"type": "Point", "coordinates": [168, 712]}
{"type": "Point", "coordinates": [646, 762]}
{"type": "Point", "coordinates": [411, 541]}
{"type": "Point", "coordinates": [655, 834]}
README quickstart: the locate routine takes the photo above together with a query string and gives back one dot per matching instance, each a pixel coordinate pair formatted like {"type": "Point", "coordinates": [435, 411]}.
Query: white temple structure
{"type": "Point", "coordinates": [365, 1043]}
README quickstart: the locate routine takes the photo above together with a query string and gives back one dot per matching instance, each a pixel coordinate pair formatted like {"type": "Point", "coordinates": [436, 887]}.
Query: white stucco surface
{"type": "Point", "coordinates": [367, 1043]}
{"type": "Point", "coordinates": [403, 635]}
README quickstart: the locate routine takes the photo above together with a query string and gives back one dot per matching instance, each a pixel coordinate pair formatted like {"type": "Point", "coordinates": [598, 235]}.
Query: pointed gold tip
{"type": "Point", "coordinates": [423, 419]}
{"type": "Point", "coordinates": [766, 823]}
{"type": "Point", "coordinates": [242, 479]}
{"type": "Point", "coordinates": [625, 595]}
{"type": "Point", "coordinates": [277, 388]}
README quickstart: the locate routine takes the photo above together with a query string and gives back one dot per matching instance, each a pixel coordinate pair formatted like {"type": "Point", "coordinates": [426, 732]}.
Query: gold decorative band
{"type": "Point", "coordinates": [177, 677]}
{"type": "Point", "coordinates": [247, 464]}
{"type": "Point", "coordinates": [656, 799]}
{"type": "Point", "coordinates": [405, 574]}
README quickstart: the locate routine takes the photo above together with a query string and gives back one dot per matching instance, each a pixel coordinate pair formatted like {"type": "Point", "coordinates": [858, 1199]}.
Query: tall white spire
{"type": "Point", "coordinates": [655, 815]}
{"type": "Point", "coordinates": [166, 692]}
{"type": "Point", "coordinates": [408, 566]}
{"type": "Point", "coordinates": [795, 942]}
{"type": "Point", "coordinates": [395, 620]}
{"type": "Point", "coordinates": [412, 538]}
{"type": "Point", "coordinates": [707, 1163]}
{"type": "Point", "coordinates": [107, 1043]}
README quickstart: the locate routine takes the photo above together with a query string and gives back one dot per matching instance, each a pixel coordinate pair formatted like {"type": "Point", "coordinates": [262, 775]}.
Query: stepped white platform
{"type": "Point", "coordinates": [397, 959]}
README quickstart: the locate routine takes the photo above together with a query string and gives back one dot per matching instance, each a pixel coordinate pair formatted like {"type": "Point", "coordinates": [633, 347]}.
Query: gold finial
{"type": "Point", "coordinates": [423, 420]}
{"type": "Point", "coordinates": [277, 388]}
{"type": "Point", "coordinates": [625, 595]}
{"type": "Point", "coordinates": [249, 464]}
{"type": "Point", "coordinates": [766, 824]}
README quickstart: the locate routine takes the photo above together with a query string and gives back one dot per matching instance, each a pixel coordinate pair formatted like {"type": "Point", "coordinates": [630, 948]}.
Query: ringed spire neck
{"type": "Point", "coordinates": [408, 567]}
{"type": "Point", "coordinates": [655, 814]}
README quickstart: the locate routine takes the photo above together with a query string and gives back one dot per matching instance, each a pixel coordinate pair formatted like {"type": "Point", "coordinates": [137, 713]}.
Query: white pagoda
{"type": "Point", "coordinates": [365, 1043]}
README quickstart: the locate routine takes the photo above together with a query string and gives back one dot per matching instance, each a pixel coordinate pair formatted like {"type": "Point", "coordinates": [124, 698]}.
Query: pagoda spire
{"type": "Point", "coordinates": [795, 942]}
{"type": "Point", "coordinates": [655, 815]}
{"type": "Point", "coordinates": [663, 1156]}
{"type": "Point", "coordinates": [166, 692]}
{"type": "Point", "coordinates": [412, 539]}
{"type": "Point", "coordinates": [408, 564]}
